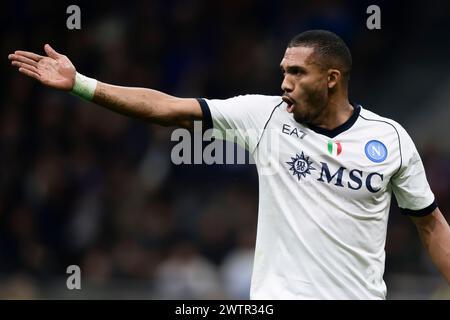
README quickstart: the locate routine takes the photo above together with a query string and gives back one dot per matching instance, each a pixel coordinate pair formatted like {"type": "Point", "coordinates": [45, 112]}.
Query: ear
{"type": "Point", "coordinates": [334, 76]}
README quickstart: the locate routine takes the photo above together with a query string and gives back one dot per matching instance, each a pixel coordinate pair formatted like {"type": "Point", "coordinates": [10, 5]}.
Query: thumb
{"type": "Point", "coordinates": [51, 52]}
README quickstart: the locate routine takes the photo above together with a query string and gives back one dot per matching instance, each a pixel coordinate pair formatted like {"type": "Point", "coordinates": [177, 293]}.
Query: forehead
{"type": "Point", "coordinates": [298, 56]}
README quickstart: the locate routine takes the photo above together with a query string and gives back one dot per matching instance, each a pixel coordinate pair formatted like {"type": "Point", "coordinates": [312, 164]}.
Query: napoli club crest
{"type": "Point", "coordinates": [376, 151]}
{"type": "Point", "coordinates": [300, 166]}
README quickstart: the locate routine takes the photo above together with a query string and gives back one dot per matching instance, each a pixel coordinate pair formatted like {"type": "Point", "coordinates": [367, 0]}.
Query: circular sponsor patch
{"type": "Point", "coordinates": [376, 151]}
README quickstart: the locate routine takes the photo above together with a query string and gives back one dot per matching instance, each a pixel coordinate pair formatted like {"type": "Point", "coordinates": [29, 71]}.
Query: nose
{"type": "Point", "coordinates": [287, 85]}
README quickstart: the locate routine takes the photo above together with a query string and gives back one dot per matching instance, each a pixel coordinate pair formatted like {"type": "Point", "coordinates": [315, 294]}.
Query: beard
{"type": "Point", "coordinates": [312, 107]}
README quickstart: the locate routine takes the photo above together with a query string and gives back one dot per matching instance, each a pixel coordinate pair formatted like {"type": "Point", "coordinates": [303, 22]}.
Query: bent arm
{"type": "Point", "coordinates": [434, 232]}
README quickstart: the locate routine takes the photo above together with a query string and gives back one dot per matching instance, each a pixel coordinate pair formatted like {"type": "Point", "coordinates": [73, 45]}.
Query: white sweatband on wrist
{"type": "Point", "coordinates": [84, 87]}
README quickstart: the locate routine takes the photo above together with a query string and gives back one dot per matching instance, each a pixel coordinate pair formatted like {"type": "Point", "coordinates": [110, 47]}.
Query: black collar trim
{"type": "Point", "coordinates": [343, 127]}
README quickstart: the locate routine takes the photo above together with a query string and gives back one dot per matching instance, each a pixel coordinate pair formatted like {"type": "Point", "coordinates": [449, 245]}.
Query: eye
{"type": "Point", "coordinates": [295, 71]}
{"type": "Point", "coordinates": [298, 71]}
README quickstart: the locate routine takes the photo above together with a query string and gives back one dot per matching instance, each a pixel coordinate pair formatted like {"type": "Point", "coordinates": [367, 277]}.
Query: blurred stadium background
{"type": "Point", "coordinates": [82, 185]}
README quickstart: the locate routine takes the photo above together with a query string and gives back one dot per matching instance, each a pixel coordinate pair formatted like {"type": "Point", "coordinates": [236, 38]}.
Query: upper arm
{"type": "Point", "coordinates": [182, 112]}
{"type": "Point", "coordinates": [434, 232]}
{"type": "Point", "coordinates": [241, 119]}
{"type": "Point", "coordinates": [429, 221]}
{"type": "Point", "coordinates": [410, 184]}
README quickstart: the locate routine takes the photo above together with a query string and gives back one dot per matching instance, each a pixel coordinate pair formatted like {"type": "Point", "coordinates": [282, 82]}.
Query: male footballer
{"type": "Point", "coordinates": [323, 213]}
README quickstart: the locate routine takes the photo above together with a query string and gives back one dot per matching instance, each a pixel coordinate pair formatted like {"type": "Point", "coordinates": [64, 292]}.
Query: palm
{"type": "Point", "coordinates": [55, 70]}
{"type": "Point", "coordinates": [59, 73]}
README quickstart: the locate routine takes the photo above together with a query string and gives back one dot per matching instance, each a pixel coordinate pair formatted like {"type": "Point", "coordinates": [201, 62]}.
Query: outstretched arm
{"type": "Point", "coordinates": [434, 232]}
{"type": "Point", "coordinates": [57, 71]}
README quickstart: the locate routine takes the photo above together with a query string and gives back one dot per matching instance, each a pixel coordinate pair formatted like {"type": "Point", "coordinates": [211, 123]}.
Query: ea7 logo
{"type": "Point", "coordinates": [354, 179]}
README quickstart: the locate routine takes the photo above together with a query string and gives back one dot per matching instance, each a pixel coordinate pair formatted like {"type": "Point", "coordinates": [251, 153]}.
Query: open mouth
{"type": "Point", "coordinates": [290, 103]}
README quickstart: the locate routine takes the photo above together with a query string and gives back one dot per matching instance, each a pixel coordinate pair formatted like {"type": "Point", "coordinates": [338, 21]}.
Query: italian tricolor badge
{"type": "Point", "coordinates": [334, 148]}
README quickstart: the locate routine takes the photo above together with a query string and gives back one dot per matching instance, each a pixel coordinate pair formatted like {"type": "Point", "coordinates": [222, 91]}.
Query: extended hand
{"type": "Point", "coordinates": [55, 70]}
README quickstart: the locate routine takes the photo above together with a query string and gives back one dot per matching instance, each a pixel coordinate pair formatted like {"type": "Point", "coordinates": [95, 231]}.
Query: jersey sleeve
{"type": "Point", "coordinates": [240, 119]}
{"type": "Point", "coordinates": [409, 184]}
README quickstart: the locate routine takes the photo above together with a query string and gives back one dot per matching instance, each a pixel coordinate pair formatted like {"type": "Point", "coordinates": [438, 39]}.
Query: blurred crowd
{"type": "Point", "coordinates": [80, 185]}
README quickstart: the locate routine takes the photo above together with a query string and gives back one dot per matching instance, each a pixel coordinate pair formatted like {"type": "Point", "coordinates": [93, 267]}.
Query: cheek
{"type": "Point", "coordinates": [317, 93]}
{"type": "Point", "coordinates": [305, 88]}
{"type": "Point", "coordinates": [309, 87]}
{"type": "Point", "coordinates": [320, 83]}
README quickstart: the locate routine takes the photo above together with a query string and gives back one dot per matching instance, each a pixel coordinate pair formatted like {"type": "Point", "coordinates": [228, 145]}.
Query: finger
{"type": "Point", "coordinates": [26, 66]}
{"type": "Point", "coordinates": [51, 52]}
{"type": "Point", "coordinates": [29, 73]}
{"type": "Point", "coordinates": [23, 59]}
{"type": "Point", "coordinates": [18, 64]}
{"type": "Point", "coordinates": [30, 55]}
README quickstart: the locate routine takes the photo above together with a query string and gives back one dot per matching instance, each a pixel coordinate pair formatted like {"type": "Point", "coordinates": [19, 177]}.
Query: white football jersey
{"type": "Point", "coordinates": [324, 196]}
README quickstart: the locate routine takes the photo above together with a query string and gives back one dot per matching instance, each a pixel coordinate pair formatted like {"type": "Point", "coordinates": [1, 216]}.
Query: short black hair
{"type": "Point", "coordinates": [331, 50]}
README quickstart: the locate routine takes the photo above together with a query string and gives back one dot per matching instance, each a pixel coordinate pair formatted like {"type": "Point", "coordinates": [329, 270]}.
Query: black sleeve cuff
{"type": "Point", "coordinates": [207, 119]}
{"type": "Point", "coordinates": [419, 213]}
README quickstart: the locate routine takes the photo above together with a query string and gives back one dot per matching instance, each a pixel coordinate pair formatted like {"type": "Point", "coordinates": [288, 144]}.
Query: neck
{"type": "Point", "coordinates": [337, 112]}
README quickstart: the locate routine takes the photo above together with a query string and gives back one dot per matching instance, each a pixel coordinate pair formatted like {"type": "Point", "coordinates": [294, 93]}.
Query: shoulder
{"type": "Point", "coordinates": [389, 124]}
{"type": "Point", "coordinates": [258, 98]}
{"type": "Point", "coordinates": [396, 132]}
{"type": "Point", "coordinates": [250, 101]}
